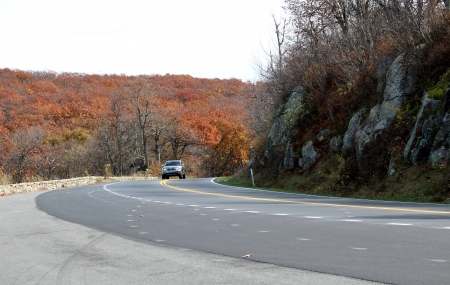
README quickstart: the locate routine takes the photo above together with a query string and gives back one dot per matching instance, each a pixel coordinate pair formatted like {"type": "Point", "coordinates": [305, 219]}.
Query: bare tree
{"type": "Point", "coordinates": [24, 144]}
{"type": "Point", "coordinates": [121, 130]}
{"type": "Point", "coordinates": [141, 95]}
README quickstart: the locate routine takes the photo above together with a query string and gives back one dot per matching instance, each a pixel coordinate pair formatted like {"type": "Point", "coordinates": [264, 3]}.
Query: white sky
{"type": "Point", "coordinates": [202, 38]}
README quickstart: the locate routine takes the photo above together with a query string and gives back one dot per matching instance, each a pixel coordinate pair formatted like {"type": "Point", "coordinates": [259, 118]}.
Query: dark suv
{"type": "Point", "coordinates": [173, 168]}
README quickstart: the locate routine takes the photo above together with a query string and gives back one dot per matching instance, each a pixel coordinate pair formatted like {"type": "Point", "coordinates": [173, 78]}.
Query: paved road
{"type": "Point", "coordinates": [399, 243]}
{"type": "Point", "coordinates": [36, 248]}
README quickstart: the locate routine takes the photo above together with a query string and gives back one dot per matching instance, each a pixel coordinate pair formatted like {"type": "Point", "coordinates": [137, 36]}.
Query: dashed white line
{"type": "Point", "coordinates": [133, 226]}
{"type": "Point", "coordinates": [193, 205]}
{"type": "Point", "coordinates": [348, 220]}
{"type": "Point", "coordinates": [160, 240]}
{"type": "Point", "coordinates": [263, 231]}
{"type": "Point", "coordinates": [143, 233]}
{"type": "Point", "coordinates": [437, 260]}
{"type": "Point", "coordinates": [235, 225]}
{"type": "Point", "coordinates": [359, 248]}
{"type": "Point", "coordinates": [399, 224]}
{"type": "Point", "coordinates": [313, 217]}
{"type": "Point", "coordinates": [253, 212]}
{"type": "Point", "coordinates": [304, 239]}
{"type": "Point", "coordinates": [130, 215]}
{"type": "Point", "coordinates": [447, 228]}
{"type": "Point", "coordinates": [280, 214]}
{"type": "Point", "coordinates": [216, 219]}
{"type": "Point", "coordinates": [229, 209]}
{"type": "Point", "coordinates": [209, 207]}
{"type": "Point", "coordinates": [130, 220]}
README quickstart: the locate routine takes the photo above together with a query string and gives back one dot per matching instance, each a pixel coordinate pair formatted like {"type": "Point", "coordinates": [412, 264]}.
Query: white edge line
{"type": "Point", "coordinates": [332, 197]}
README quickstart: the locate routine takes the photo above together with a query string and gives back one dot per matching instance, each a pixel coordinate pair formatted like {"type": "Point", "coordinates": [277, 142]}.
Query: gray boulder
{"type": "Point", "coordinates": [323, 134]}
{"type": "Point", "coordinates": [349, 136]}
{"type": "Point", "coordinates": [439, 156]}
{"type": "Point", "coordinates": [309, 156]}
{"type": "Point", "coordinates": [391, 169]}
{"type": "Point", "coordinates": [336, 144]}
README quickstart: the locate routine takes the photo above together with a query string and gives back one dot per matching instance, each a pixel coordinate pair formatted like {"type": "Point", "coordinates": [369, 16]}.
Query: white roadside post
{"type": "Point", "coordinates": [253, 180]}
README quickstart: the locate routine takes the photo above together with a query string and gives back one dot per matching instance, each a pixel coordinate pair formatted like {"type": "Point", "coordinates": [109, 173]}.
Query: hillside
{"type": "Point", "coordinates": [364, 95]}
{"type": "Point", "coordinates": [56, 126]}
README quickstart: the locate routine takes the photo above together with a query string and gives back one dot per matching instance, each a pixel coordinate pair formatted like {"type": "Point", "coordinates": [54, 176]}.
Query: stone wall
{"type": "Point", "coordinates": [19, 188]}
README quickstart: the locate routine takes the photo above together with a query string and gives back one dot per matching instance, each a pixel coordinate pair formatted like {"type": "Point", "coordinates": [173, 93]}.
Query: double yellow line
{"type": "Point", "coordinates": [164, 183]}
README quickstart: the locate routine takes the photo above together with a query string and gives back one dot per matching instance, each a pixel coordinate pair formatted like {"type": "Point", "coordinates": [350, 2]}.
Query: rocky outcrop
{"type": "Point", "coordinates": [282, 130]}
{"type": "Point", "coordinates": [428, 107]}
{"type": "Point", "coordinates": [400, 81]}
{"type": "Point", "coordinates": [364, 138]}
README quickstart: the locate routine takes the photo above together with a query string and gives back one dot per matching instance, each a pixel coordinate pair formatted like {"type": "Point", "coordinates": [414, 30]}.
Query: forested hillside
{"type": "Point", "coordinates": [70, 125]}
{"type": "Point", "coordinates": [364, 90]}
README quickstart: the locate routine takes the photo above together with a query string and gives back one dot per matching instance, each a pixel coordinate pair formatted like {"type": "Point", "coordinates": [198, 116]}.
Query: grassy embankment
{"type": "Point", "coordinates": [422, 183]}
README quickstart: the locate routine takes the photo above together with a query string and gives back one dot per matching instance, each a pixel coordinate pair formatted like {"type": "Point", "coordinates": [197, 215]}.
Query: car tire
{"type": "Point", "coordinates": [184, 176]}
{"type": "Point", "coordinates": [163, 177]}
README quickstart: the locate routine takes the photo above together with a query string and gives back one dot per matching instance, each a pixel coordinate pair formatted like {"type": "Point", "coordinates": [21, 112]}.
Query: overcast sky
{"type": "Point", "coordinates": [202, 38]}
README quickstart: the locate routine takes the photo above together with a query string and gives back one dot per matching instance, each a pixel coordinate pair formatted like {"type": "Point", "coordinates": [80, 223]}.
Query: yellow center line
{"type": "Point", "coordinates": [164, 183]}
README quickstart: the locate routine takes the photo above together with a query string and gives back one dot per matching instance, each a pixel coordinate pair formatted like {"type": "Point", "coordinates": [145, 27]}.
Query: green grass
{"type": "Point", "coordinates": [423, 183]}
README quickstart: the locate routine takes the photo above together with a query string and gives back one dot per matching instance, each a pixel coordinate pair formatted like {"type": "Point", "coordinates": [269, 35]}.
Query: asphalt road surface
{"type": "Point", "coordinates": [388, 242]}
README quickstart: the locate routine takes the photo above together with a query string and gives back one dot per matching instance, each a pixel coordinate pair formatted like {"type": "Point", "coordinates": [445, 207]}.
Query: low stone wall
{"type": "Point", "coordinates": [11, 189]}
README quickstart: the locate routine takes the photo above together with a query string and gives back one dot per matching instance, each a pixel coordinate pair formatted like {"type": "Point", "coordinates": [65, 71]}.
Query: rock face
{"type": "Point", "coordinates": [429, 139]}
{"type": "Point", "coordinates": [429, 106]}
{"type": "Point", "coordinates": [281, 133]}
{"type": "Point", "coordinates": [400, 81]}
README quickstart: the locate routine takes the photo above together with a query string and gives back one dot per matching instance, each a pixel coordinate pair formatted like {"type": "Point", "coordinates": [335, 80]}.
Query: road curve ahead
{"type": "Point", "coordinates": [389, 242]}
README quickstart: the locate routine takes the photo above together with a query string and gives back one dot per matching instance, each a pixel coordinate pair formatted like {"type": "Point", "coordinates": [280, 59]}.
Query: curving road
{"type": "Point", "coordinates": [389, 242]}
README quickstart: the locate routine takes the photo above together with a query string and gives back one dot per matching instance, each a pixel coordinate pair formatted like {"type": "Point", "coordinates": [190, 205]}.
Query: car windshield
{"type": "Point", "coordinates": [173, 163]}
